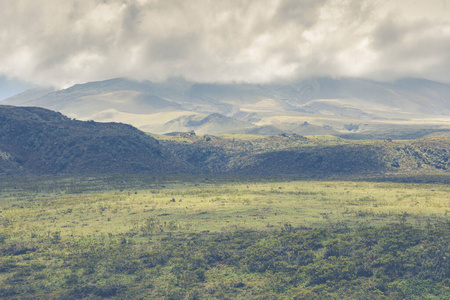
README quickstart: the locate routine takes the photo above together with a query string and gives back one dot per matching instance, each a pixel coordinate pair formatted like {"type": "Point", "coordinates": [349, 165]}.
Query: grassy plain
{"type": "Point", "coordinates": [196, 204]}
{"type": "Point", "coordinates": [69, 237]}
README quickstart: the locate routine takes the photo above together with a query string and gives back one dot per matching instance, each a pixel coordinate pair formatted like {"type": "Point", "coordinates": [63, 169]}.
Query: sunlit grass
{"type": "Point", "coordinates": [197, 206]}
{"type": "Point", "coordinates": [164, 237]}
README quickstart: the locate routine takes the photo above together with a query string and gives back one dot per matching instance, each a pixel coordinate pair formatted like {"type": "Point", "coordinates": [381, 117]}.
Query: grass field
{"type": "Point", "coordinates": [198, 204]}
{"type": "Point", "coordinates": [53, 227]}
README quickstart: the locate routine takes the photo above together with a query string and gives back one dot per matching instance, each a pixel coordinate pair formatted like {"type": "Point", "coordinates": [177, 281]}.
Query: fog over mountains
{"type": "Point", "coordinates": [313, 106]}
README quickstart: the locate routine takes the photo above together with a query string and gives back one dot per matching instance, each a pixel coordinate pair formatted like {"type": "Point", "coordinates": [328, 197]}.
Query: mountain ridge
{"type": "Point", "coordinates": [37, 141]}
{"type": "Point", "coordinates": [330, 103]}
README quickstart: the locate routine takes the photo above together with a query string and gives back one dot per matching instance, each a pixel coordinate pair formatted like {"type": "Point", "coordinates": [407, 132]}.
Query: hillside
{"type": "Point", "coordinates": [312, 156]}
{"type": "Point", "coordinates": [39, 141]}
{"type": "Point", "coordinates": [329, 105]}
{"type": "Point", "coordinates": [216, 123]}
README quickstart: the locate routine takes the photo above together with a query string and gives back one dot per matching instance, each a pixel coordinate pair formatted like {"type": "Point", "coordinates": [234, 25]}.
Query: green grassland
{"type": "Point", "coordinates": [199, 203]}
{"type": "Point", "coordinates": [219, 237]}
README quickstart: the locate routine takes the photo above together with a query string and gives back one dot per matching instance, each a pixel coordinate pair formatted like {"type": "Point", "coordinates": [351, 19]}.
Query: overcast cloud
{"type": "Point", "coordinates": [61, 43]}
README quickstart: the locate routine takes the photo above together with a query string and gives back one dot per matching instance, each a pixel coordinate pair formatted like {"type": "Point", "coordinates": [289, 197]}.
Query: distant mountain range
{"type": "Point", "coordinates": [37, 141]}
{"type": "Point", "coordinates": [307, 107]}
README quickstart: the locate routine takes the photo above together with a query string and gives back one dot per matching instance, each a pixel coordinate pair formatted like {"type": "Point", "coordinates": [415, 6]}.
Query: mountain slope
{"type": "Point", "coordinates": [311, 157]}
{"type": "Point", "coordinates": [212, 124]}
{"type": "Point", "coordinates": [39, 141]}
{"type": "Point", "coordinates": [322, 102]}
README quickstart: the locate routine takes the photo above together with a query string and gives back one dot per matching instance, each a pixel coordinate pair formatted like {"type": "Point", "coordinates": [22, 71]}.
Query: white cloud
{"type": "Point", "coordinates": [66, 42]}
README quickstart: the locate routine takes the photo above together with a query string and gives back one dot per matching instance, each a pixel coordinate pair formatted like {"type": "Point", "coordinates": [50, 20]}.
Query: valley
{"type": "Point", "coordinates": [97, 210]}
{"type": "Point", "coordinates": [248, 150]}
{"type": "Point", "coordinates": [219, 237]}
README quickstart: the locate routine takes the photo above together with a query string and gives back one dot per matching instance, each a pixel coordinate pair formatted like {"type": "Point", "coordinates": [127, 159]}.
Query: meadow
{"type": "Point", "coordinates": [221, 237]}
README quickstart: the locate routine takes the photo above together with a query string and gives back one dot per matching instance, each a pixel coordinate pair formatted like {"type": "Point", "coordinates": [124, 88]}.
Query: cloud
{"type": "Point", "coordinates": [65, 42]}
{"type": "Point", "coordinates": [419, 48]}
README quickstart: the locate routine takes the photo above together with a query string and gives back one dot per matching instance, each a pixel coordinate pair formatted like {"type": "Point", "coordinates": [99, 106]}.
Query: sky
{"type": "Point", "coordinates": [64, 42]}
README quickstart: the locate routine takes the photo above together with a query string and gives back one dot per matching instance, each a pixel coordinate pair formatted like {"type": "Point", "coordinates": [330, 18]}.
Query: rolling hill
{"type": "Point", "coordinates": [38, 141]}
{"type": "Point", "coordinates": [329, 106]}
{"type": "Point", "coordinates": [309, 157]}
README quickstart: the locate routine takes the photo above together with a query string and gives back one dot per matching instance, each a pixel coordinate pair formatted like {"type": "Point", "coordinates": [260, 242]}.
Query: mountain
{"type": "Point", "coordinates": [38, 141]}
{"type": "Point", "coordinates": [212, 123]}
{"type": "Point", "coordinates": [328, 105]}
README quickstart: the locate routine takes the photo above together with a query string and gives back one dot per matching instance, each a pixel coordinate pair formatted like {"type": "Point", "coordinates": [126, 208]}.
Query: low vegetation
{"type": "Point", "coordinates": [36, 141]}
{"type": "Point", "coordinates": [39, 141]}
{"type": "Point", "coordinates": [218, 217]}
{"type": "Point", "coordinates": [309, 157]}
{"type": "Point", "coordinates": [220, 237]}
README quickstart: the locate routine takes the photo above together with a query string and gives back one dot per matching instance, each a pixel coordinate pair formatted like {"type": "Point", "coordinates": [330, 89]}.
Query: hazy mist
{"type": "Point", "coordinates": [60, 43]}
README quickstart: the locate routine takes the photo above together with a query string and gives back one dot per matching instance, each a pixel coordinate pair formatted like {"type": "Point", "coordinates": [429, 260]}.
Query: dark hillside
{"type": "Point", "coordinates": [318, 162]}
{"type": "Point", "coordinates": [38, 141]}
{"type": "Point", "coordinates": [309, 156]}
{"type": "Point", "coordinates": [429, 155]}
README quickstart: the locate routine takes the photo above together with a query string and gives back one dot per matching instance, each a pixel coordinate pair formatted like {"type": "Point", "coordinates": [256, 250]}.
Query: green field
{"type": "Point", "coordinates": [197, 237]}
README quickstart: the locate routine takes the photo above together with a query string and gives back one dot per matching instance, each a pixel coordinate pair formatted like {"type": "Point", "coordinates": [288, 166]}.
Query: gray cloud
{"type": "Point", "coordinates": [66, 42]}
